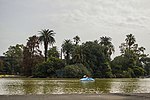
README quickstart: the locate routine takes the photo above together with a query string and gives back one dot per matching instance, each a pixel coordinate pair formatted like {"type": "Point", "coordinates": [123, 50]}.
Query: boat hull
{"type": "Point", "coordinates": [87, 79]}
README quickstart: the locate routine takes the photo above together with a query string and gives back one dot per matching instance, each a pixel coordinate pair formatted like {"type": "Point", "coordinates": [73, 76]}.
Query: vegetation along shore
{"type": "Point", "coordinates": [75, 59]}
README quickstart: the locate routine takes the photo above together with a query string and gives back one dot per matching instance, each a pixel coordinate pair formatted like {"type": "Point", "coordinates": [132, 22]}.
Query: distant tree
{"type": "Point", "coordinates": [131, 49]}
{"type": "Point", "coordinates": [27, 62]}
{"type": "Point", "coordinates": [48, 68]}
{"type": "Point", "coordinates": [14, 57]}
{"type": "Point", "coordinates": [75, 71]}
{"type": "Point", "coordinates": [132, 55]}
{"type": "Point", "coordinates": [67, 48]}
{"type": "Point", "coordinates": [47, 37]}
{"type": "Point", "coordinates": [117, 65]}
{"type": "Point", "coordinates": [31, 55]}
{"type": "Point", "coordinates": [146, 63]}
{"type": "Point", "coordinates": [95, 59]}
{"type": "Point", "coordinates": [130, 40]}
{"type": "Point", "coordinates": [1, 66]}
{"type": "Point", "coordinates": [107, 44]}
{"type": "Point", "coordinates": [77, 54]}
{"type": "Point", "coordinates": [33, 45]}
{"type": "Point", "coordinates": [76, 39]}
{"type": "Point", "coordinates": [52, 52]}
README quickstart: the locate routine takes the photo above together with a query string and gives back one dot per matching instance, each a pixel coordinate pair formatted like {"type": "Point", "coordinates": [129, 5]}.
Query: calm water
{"type": "Point", "coordinates": [21, 86]}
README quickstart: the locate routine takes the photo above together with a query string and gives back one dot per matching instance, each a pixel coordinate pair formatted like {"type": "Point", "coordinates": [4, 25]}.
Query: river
{"type": "Point", "coordinates": [25, 86]}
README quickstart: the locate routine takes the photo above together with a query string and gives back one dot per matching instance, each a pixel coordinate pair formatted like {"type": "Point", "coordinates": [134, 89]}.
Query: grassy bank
{"type": "Point", "coordinates": [10, 76]}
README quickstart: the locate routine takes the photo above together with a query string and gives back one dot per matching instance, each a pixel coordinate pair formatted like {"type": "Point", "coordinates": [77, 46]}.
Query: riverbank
{"type": "Point", "coordinates": [143, 96]}
{"type": "Point", "coordinates": [11, 76]}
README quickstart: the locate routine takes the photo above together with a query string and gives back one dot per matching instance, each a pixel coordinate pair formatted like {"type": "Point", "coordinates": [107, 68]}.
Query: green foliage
{"type": "Point", "coordinates": [67, 48]}
{"type": "Point", "coordinates": [107, 45]}
{"type": "Point", "coordinates": [117, 66]}
{"type": "Point", "coordinates": [47, 37]}
{"type": "Point", "coordinates": [77, 56]}
{"type": "Point", "coordinates": [76, 40]}
{"type": "Point", "coordinates": [138, 71]}
{"type": "Point", "coordinates": [76, 71]}
{"type": "Point", "coordinates": [31, 55]}
{"type": "Point", "coordinates": [52, 52]}
{"type": "Point", "coordinates": [41, 70]}
{"type": "Point", "coordinates": [1, 66]}
{"type": "Point", "coordinates": [95, 58]}
{"type": "Point", "coordinates": [106, 70]}
{"type": "Point", "coordinates": [130, 63]}
{"type": "Point", "coordinates": [127, 73]}
{"type": "Point", "coordinates": [13, 59]}
{"type": "Point", "coordinates": [92, 58]}
{"type": "Point", "coordinates": [48, 68]}
{"type": "Point", "coordinates": [56, 63]}
{"type": "Point", "coordinates": [146, 62]}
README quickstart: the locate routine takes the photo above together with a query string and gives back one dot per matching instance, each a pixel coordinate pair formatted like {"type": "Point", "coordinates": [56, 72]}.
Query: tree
{"type": "Point", "coordinates": [33, 45]}
{"type": "Point", "coordinates": [76, 39]}
{"type": "Point", "coordinates": [77, 54]}
{"type": "Point", "coordinates": [109, 48]}
{"type": "Point", "coordinates": [75, 71]}
{"type": "Point", "coordinates": [67, 48]}
{"type": "Point", "coordinates": [48, 68]}
{"type": "Point", "coordinates": [95, 59]}
{"type": "Point", "coordinates": [31, 55]}
{"type": "Point", "coordinates": [1, 66]}
{"type": "Point", "coordinates": [117, 66]}
{"type": "Point", "coordinates": [14, 57]}
{"type": "Point", "coordinates": [52, 52]}
{"type": "Point", "coordinates": [130, 40]}
{"type": "Point", "coordinates": [47, 36]}
{"type": "Point", "coordinates": [133, 55]}
{"type": "Point", "coordinates": [146, 63]}
{"type": "Point", "coordinates": [27, 62]}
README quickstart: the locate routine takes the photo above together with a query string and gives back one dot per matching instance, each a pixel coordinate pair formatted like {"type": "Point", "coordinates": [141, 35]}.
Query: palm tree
{"type": "Point", "coordinates": [33, 45]}
{"type": "Point", "coordinates": [141, 49]}
{"type": "Point", "coordinates": [76, 39]}
{"type": "Point", "coordinates": [77, 56]}
{"type": "Point", "coordinates": [130, 40]}
{"type": "Point", "coordinates": [106, 42]}
{"type": "Point", "coordinates": [67, 47]}
{"type": "Point", "coordinates": [47, 36]}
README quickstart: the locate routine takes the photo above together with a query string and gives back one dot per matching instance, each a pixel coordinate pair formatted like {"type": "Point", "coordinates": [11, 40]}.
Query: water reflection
{"type": "Point", "coordinates": [125, 86]}
{"type": "Point", "coordinates": [72, 86]}
{"type": "Point", "coordinates": [129, 85]}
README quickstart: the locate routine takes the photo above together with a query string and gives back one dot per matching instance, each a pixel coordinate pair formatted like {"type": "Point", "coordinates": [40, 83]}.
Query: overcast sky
{"type": "Point", "coordinates": [89, 19]}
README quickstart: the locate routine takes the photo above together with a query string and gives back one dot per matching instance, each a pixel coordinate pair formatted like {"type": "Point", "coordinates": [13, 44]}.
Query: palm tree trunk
{"type": "Point", "coordinates": [45, 53]}
{"type": "Point", "coordinates": [61, 53]}
{"type": "Point", "coordinates": [67, 58]}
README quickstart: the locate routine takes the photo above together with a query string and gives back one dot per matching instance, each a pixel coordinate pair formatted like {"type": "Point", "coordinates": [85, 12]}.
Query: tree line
{"type": "Point", "coordinates": [74, 60]}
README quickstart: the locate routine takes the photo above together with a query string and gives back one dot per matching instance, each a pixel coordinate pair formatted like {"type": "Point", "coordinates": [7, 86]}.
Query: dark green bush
{"type": "Point", "coordinates": [49, 68]}
{"type": "Point", "coordinates": [75, 71]}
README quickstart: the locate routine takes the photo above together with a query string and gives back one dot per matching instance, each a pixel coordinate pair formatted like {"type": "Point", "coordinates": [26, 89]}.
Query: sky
{"type": "Point", "coordinates": [89, 19]}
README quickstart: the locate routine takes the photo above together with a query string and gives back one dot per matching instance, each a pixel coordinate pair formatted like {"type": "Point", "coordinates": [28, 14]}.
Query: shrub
{"type": "Point", "coordinates": [48, 68]}
{"type": "Point", "coordinates": [75, 71]}
{"type": "Point", "coordinates": [138, 71]}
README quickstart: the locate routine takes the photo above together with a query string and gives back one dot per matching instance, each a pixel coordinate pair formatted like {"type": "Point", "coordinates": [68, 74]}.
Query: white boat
{"type": "Point", "coordinates": [87, 79]}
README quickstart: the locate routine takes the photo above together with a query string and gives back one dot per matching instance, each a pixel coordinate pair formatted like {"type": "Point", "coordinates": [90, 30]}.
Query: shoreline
{"type": "Point", "coordinates": [21, 76]}
{"type": "Point", "coordinates": [113, 96]}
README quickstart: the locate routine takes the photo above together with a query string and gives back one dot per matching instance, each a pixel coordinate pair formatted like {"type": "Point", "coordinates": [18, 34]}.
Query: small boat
{"type": "Point", "coordinates": [87, 79]}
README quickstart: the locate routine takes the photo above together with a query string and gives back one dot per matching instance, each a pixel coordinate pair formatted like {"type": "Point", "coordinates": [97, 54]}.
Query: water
{"type": "Point", "coordinates": [24, 86]}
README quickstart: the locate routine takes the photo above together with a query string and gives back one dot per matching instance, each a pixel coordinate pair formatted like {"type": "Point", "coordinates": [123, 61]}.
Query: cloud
{"type": "Point", "coordinates": [110, 12]}
{"type": "Point", "coordinates": [70, 17]}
